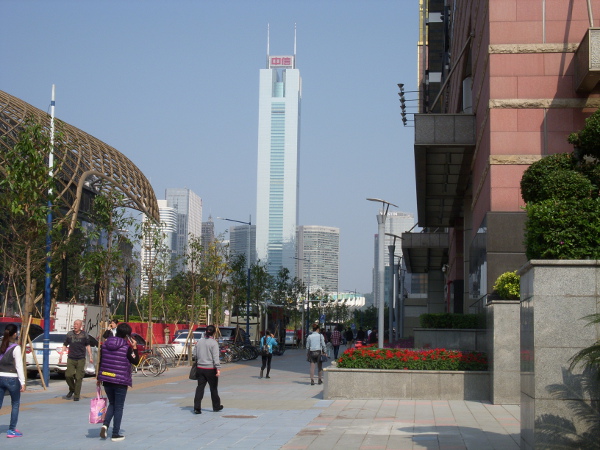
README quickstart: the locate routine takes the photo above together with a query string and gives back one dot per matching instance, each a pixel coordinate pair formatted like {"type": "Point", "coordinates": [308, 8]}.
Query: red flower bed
{"type": "Point", "coordinates": [411, 359]}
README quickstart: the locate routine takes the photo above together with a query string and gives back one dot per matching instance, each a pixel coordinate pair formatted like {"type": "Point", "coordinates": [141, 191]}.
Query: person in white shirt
{"type": "Point", "coordinates": [12, 377]}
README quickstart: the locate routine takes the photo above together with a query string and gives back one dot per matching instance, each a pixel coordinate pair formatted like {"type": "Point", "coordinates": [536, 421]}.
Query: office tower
{"type": "Point", "coordinates": [280, 94]}
{"type": "Point", "coordinates": [189, 221]}
{"type": "Point", "coordinates": [238, 241]}
{"type": "Point", "coordinates": [396, 223]}
{"type": "Point", "coordinates": [148, 252]}
{"type": "Point", "coordinates": [208, 232]}
{"type": "Point", "coordinates": [318, 259]}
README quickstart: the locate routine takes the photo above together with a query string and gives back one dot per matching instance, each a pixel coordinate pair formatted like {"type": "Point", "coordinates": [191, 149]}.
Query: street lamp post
{"type": "Point", "coordinates": [249, 223]}
{"type": "Point", "coordinates": [394, 306]}
{"type": "Point", "coordinates": [385, 206]}
{"type": "Point", "coordinates": [307, 300]}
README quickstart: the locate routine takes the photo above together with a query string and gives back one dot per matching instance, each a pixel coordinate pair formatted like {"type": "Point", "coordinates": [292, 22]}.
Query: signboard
{"type": "Point", "coordinates": [322, 318]}
{"type": "Point", "coordinates": [281, 62]}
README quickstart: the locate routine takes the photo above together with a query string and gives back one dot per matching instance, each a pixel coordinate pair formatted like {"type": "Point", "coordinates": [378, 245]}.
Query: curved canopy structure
{"type": "Point", "coordinates": [86, 164]}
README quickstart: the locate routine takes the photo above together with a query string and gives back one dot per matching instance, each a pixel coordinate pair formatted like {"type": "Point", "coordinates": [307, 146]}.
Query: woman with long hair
{"type": "Point", "coordinates": [12, 377]}
{"type": "Point", "coordinates": [117, 354]}
{"type": "Point", "coordinates": [269, 341]}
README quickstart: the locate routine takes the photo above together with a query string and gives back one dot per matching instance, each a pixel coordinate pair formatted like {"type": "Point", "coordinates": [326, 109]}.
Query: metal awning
{"type": "Point", "coordinates": [444, 146]}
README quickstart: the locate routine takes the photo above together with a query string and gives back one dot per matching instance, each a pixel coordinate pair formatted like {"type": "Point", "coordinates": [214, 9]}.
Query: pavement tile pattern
{"type": "Point", "coordinates": [282, 412]}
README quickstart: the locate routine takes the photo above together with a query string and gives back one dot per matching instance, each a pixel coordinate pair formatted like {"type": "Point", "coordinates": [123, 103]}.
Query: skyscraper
{"type": "Point", "coordinates": [238, 241]}
{"type": "Point", "coordinates": [148, 252]}
{"type": "Point", "coordinates": [208, 233]}
{"type": "Point", "coordinates": [318, 258]}
{"type": "Point", "coordinates": [280, 94]}
{"type": "Point", "coordinates": [189, 220]}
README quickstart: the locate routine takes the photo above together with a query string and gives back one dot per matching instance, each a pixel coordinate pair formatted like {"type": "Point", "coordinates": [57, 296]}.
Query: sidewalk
{"type": "Point", "coordinates": [284, 411]}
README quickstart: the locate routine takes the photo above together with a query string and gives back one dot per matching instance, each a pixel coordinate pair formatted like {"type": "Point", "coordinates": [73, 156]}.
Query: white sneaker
{"type": "Point", "coordinates": [103, 431]}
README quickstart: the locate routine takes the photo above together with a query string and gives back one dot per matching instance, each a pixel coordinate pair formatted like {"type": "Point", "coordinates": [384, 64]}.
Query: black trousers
{"type": "Point", "coordinates": [266, 362]}
{"type": "Point", "coordinates": [207, 376]}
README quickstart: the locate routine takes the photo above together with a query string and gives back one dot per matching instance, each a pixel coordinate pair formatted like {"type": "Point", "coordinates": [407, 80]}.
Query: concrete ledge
{"type": "Point", "coordinates": [405, 384]}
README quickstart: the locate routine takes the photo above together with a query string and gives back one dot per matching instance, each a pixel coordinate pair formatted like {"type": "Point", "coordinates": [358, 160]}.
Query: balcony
{"type": "Point", "coordinates": [444, 146]}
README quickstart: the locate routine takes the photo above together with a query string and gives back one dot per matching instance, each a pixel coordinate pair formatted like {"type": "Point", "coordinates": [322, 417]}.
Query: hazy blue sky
{"type": "Point", "coordinates": [173, 85]}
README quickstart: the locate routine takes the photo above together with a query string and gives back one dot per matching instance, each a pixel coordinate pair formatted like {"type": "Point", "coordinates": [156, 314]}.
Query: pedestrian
{"type": "Point", "coordinates": [336, 340]}
{"type": "Point", "coordinates": [12, 377]}
{"type": "Point", "coordinates": [78, 342]}
{"type": "Point", "coordinates": [269, 341]}
{"type": "Point", "coordinates": [374, 336]}
{"type": "Point", "coordinates": [349, 337]}
{"type": "Point", "coordinates": [360, 335]}
{"type": "Point", "coordinates": [315, 345]}
{"type": "Point", "coordinates": [208, 370]}
{"type": "Point", "coordinates": [112, 329]}
{"type": "Point", "coordinates": [117, 354]}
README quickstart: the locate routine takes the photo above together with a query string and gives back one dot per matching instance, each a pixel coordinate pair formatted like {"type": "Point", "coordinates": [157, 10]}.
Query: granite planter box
{"type": "Point", "coordinates": [555, 295]}
{"type": "Point", "coordinates": [405, 384]}
{"type": "Point", "coordinates": [451, 339]}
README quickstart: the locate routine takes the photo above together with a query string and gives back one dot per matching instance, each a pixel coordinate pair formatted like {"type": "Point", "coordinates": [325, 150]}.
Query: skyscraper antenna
{"type": "Point", "coordinates": [294, 46]}
{"type": "Point", "coordinates": [268, 43]}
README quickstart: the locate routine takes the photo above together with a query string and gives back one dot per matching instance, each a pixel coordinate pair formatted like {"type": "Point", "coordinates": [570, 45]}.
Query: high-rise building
{"type": "Point", "coordinates": [238, 241]}
{"type": "Point", "coordinates": [189, 220]}
{"type": "Point", "coordinates": [280, 94]}
{"type": "Point", "coordinates": [318, 260]}
{"type": "Point", "coordinates": [396, 223]}
{"type": "Point", "coordinates": [208, 232]}
{"type": "Point", "coordinates": [149, 252]}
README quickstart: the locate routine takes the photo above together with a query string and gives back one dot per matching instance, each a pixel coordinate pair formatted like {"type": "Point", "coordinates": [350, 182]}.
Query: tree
{"type": "Point", "coordinates": [25, 185]}
{"type": "Point", "coordinates": [103, 261]}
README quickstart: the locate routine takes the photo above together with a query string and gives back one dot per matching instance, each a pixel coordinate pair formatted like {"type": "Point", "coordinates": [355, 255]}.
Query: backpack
{"type": "Point", "coordinates": [264, 348]}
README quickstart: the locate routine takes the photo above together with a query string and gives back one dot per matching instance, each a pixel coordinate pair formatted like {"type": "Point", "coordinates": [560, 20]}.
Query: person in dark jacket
{"type": "Point", "coordinates": [117, 354]}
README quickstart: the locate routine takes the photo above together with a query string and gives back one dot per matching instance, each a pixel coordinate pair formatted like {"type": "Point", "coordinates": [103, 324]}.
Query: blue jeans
{"type": "Point", "coordinates": [13, 386]}
{"type": "Point", "coordinates": [116, 394]}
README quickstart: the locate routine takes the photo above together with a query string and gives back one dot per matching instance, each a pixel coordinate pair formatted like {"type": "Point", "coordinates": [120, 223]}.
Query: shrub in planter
{"type": "Point", "coordinates": [507, 286]}
{"type": "Point", "coordinates": [452, 321]}
{"type": "Point", "coordinates": [408, 359]}
{"type": "Point", "coordinates": [563, 229]}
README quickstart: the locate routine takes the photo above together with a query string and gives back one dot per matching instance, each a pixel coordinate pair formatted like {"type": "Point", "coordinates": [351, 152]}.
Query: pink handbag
{"type": "Point", "coordinates": [98, 407]}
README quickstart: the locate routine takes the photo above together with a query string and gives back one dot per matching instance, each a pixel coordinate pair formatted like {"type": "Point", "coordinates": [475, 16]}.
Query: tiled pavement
{"type": "Point", "coordinates": [284, 411]}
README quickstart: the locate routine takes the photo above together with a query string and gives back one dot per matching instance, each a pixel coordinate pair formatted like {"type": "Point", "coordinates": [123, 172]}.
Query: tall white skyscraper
{"type": "Point", "coordinates": [148, 254]}
{"type": "Point", "coordinates": [280, 94]}
{"type": "Point", "coordinates": [189, 220]}
{"type": "Point", "coordinates": [318, 260]}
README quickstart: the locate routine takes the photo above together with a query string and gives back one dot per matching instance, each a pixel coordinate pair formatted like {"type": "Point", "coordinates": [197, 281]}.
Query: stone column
{"type": "Point", "coordinates": [503, 344]}
{"type": "Point", "coordinates": [556, 404]}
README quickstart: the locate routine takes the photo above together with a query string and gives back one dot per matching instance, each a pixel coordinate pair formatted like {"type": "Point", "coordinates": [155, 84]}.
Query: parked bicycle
{"type": "Point", "coordinates": [149, 365]}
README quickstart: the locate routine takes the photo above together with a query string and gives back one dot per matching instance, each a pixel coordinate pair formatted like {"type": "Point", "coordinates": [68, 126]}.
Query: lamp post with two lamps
{"type": "Point", "coordinates": [249, 223]}
{"type": "Point", "coordinates": [395, 311]}
{"type": "Point", "coordinates": [385, 206]}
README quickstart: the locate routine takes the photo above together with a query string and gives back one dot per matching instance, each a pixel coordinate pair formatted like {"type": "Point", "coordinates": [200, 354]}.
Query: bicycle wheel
{"type": "Point", "coordinates": [151, 366]}
{"type": "Point", "coordinates": [163, 362]}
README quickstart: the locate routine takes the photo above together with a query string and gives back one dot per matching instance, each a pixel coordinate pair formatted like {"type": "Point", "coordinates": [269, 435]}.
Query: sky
{"type": "Point", "coordinates": [173, 85]}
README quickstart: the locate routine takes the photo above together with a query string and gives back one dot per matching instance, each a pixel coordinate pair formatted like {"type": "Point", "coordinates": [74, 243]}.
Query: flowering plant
{"type": "Point", "coordinates": [411, 359]}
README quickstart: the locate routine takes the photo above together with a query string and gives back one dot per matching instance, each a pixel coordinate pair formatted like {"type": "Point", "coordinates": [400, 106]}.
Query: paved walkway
{"type": "Point", "coordinates": [283, 412]}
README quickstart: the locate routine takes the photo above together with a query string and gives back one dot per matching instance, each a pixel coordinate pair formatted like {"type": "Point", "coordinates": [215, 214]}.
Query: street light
{"type": "Point", "coordinates": [394, 306]}
{"type": "Point", "coordinates": [385, 206]}
{"type": "Point", "coordinates": [249, 223]}
{"type": "Point", "coordinates": [307, 300]}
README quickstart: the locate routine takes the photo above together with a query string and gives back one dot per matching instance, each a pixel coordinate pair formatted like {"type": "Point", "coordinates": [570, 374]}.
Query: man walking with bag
{"type": "Point", "coordinates": [78, 342]}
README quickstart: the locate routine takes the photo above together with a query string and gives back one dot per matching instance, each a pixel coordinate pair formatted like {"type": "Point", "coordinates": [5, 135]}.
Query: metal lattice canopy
{"type": "Point", "coordinates": [87, 163]}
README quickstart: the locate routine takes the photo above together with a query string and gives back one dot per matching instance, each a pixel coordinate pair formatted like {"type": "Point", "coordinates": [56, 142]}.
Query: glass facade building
{"type": "Point", "coordinates": [189, 221]}
{"type": "Point", "coordinates": [280, 93]}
